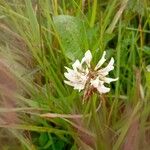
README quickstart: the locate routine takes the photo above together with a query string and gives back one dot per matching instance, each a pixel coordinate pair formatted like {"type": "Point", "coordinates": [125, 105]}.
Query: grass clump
{"type": "Point", "coordinates": [38, 38]}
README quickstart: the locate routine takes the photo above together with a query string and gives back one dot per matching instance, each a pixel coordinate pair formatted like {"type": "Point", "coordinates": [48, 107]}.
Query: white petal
{"type": "Point", "coordinates": [101, 61]}
{"type": "Point", "coordinates": [86, 71]}
{"type": "Point", "coordinates": [69, 83]}
{"type": "Point", "coordinates": [99, 85]}
{"type": "Point", "coordinates": [70, 76]}
{"type": "Point", "coordinates": [76, 78]}
{"type": "Point", "coordinates": [77, 65]}
{"type": "Point", "coordinates": [79, 87]}
{"type": "Point", "coordinates": [108, 68]}
{"type": "Point", "coordinates": [87, 58]}
{"type": "Point", "coordinates": [148, 68]}
{"type": "Point", "coordinates": [108, 80]}
{"type": "Point", "coordinates": [103, 89]}
{"type": "Point", "coordinates": [68, 69]}
{"type": "Point", "coordinates": [76, 85]}
{"type": "Point", "coordinates": [96, 82]}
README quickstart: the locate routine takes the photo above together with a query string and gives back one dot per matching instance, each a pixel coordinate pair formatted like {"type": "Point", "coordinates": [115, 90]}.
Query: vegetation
{"type": "Point", "coordinates": [38, 110]}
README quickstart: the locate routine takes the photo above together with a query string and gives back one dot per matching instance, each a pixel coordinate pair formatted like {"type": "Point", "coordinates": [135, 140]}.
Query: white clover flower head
{"type": "Point", "coordinates": [82, 76]}
{"type": "Point", "coordinates": [148, 68]}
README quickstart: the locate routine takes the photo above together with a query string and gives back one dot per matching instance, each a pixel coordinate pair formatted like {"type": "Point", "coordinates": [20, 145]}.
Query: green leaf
{"type": "Point", "coordinates": [146, 50]}
{"type": "Point", "coordinates": [71, 33]}
{"type": "Point", "coordinates": [43, 139]}
{"type": "Point", "coordinates": [59, 145]}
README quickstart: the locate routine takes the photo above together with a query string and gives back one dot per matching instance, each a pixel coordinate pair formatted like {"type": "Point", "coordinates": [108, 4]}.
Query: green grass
{"type": "Point", "coordinates": [38, 38]}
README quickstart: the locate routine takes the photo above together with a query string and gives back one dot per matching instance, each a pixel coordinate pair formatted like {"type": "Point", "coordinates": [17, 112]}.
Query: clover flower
{"type": "Point", "coordinates": [83, 76]}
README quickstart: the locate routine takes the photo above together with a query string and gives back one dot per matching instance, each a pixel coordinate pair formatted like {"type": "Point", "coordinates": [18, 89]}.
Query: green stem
{"type": "Point", "coordinates": [93, 17]}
